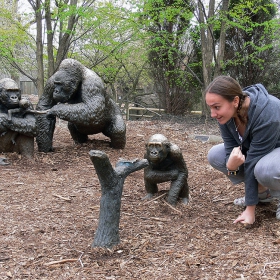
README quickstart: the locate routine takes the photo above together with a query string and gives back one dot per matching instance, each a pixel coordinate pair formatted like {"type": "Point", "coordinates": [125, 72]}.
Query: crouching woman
{"type": "Point", "coordinates": [249, 121]}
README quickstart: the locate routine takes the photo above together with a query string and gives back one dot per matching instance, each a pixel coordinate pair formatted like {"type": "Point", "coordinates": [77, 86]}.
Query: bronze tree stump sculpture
{"type": "Point", "coordinates": [111, 180]}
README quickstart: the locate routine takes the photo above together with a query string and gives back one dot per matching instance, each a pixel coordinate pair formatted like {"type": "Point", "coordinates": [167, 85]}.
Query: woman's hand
{"type": "Point", "coordinates": [247, 217]}
{"type": "Point", "coordinates": [235, 159]}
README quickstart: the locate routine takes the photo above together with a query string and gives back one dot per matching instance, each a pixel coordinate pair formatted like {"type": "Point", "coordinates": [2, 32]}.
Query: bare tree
{"type": "Point", "coordinates": [59, 32]}
{"type": "Point", "coordinates": [212, 53]}
{"type": "Point", "coordinates": [39, 44]}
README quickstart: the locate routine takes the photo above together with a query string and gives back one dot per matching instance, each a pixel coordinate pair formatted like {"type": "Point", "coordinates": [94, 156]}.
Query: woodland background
{"type": "Point", "coordinates": [169, 48]}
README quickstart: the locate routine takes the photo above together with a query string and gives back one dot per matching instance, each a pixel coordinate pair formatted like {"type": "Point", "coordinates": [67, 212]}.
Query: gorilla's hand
{"type": "Point", "coordinates": [52, 111]}
{"type": "Point", "coordinates": [3, 116]}
{"type": "Point", "coordinates": [4, 123]}
{"type": "Point", "coordinates": [4, 120]}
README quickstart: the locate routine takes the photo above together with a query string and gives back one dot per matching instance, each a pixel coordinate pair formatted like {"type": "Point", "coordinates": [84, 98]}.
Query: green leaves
{"type": "Point", "coordinates": [12, 33]}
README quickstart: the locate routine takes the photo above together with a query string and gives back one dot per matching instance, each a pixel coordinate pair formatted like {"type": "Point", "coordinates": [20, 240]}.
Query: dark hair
{"type": "Point", "coordinates": [228, 88]}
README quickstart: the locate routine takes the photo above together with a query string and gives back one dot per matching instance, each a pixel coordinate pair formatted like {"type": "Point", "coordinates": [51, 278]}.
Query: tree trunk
{"type": "Point", "coordinates": [39, 48]}
{"type": "Point", "coordinates": [222, 41]}
{"type": "Point", "coordinates": [212, 63]}
{"type": "Point", "coordinates": [111, 180]}
{"type": "Point", "coordinates": [48, 19]}
{"type": "Point", "coordinates": [65, 39]}
{"type": "Point", "coordinates": [207, 45]}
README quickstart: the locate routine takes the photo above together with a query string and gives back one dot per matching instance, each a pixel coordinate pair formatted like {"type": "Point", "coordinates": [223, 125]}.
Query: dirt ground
{"type": "Point", "coordinates": [50, 208]}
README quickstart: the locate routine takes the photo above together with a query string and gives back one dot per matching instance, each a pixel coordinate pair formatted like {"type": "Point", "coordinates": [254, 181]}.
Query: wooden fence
{"type": "Point", "coordinates": [138, 112]}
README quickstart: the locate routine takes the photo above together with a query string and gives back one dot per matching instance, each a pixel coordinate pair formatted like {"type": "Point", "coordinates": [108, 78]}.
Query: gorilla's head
{"type": "Point", "coordinates": [9, 93]}
{"type": "Point", "coordinates": [157, 148]}
{"type": "Point", "coordinates": [67, 80]}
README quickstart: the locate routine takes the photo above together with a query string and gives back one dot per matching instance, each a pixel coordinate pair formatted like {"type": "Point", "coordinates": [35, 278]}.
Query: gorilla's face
{"type": "Point", "coordinates": [64, 87]}
{"type": "Point", "coordinates": [10, 98]}
{"type": "Point", "coordinates": [157, 148]}
{"type": "Point", "coordinates": [157, 151]}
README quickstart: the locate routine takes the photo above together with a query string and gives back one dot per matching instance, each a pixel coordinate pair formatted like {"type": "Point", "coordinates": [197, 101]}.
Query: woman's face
{"type": "Point", "coordinates": [221, 109]}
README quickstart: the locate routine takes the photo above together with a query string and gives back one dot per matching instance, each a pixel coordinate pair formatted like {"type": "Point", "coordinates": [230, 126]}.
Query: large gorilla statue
{"type": "Point", "coordinates": [17, 129]}
{"type": "Point", "coordinates": [76, 94]}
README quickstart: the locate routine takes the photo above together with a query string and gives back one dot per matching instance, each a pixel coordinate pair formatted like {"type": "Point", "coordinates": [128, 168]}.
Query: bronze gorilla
{"type": "Point", "coordinates": [17, 131]}
{"type": "Point", "coordinates": [76, 94]}
{"type": "Point", "coordinates": [166, 163]}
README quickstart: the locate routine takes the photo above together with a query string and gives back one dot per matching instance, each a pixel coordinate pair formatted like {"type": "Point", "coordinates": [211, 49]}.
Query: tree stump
{"type": "Point", "coordinates": [111, 181]}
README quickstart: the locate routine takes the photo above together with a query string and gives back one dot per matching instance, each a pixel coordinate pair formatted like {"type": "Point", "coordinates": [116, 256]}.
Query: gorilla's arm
{"type": "Point", "coordinates": [45, 133]}
{"type": "Point", "coordinates": [45, 124]}
{"type": "Point", "coordinates": [177, 157]}
{"type": "Point", "coordinates": [46, 100]}
{"type": "Point", "coordinates": [91, 111]}
{"type": "Point", "coordinates": [25, 126]}
{"type": "Point", "coordinates": [157, 176]}
{"type": "Point", "coordinates": [3, 120]}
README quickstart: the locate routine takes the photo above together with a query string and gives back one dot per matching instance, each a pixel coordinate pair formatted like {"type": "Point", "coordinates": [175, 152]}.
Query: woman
{"type": "Point", "coordinates": [249, 121]}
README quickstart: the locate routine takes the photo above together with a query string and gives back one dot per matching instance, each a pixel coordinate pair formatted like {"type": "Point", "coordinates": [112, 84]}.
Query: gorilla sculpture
{"type": "Point", "coordinates": [17, 131]}
{"type": "Point", "coordinates": [166, 163]}
{"type": "Point", "coordinates": [76, 94]}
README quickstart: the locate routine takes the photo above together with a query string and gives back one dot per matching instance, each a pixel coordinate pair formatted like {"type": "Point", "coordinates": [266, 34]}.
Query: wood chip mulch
{"type": "Point", "coordinates": [50, 207]}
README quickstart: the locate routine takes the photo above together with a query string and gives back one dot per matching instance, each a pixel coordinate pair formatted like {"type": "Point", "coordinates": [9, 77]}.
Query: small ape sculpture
{"type": "Point", "coordinates": [24, 106]}
{"type": "Point", "coordinates": [16, 133]}
{"type": "Point", "coordinates": [166, 163]}
{"type": "Point", "coordinates": [76, 94]}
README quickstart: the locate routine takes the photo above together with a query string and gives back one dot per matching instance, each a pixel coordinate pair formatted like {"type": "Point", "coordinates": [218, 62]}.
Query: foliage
{"type": "Point", "coordinates": [154, 45]}
{"type": "Point", "coordinates": [167, 23]}
{"type": "Point", "coordinates": [14, 39]}
{"type": "Point", "coordinates": [104, 36]}
{"type": "Point", "coordinates": [239, 38]}
{"type": "Point", "coordinates": [249, 47]}
{"type": "Point", "coordinates": [114, 48]}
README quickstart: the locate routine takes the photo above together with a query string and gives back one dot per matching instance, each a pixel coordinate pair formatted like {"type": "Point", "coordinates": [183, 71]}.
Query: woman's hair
{"type": "Point", "coordinates": [228, 88]}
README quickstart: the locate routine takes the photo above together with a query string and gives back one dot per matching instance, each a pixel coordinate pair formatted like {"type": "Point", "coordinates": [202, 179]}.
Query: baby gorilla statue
{"type": "Point", "coordinates": [76, 94]}
{"type": "Point", "coordinates": [166, 163]}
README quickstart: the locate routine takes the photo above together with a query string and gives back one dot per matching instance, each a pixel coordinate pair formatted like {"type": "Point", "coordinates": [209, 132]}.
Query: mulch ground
{"type": "Point", "coordinates": [50, 208]}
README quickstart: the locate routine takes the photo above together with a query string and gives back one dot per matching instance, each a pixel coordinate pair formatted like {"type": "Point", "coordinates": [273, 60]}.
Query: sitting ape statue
{"type": "Point", "coordinates": [17, 131]}
{"type": "Point", "coordinates": [76, 94]}
{"type": "Point", "coordinates": [166, 163]}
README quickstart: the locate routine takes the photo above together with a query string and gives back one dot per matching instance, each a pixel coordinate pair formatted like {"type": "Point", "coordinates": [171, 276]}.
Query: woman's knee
{"type": "Point", "coordinates": [216, 156]}
{"type": "Point", "coordinates": [267, 172]}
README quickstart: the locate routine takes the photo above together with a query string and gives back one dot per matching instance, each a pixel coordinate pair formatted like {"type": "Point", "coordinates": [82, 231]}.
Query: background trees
{"type": "Point", "coordinates": [47, 29]}
{"type": "Point", "coordinates": [168, 24]}
{"type": "Point", "coordinates": [115, 48]}
{"type": "Point", "coordinates": [250, 51]}
{"type": "Point", "coordinates": [236, 39]}
{"type": "Point", "coordinates": [212, 29]}
{"type": "Point", "coordinates": [13, 40]}
{"type": "Point", "coordinates": [174, 47]}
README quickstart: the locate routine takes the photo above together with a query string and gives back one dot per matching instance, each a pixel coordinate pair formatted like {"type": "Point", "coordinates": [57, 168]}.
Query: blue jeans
{"type": "Point", "coordinates": [267, 170]}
